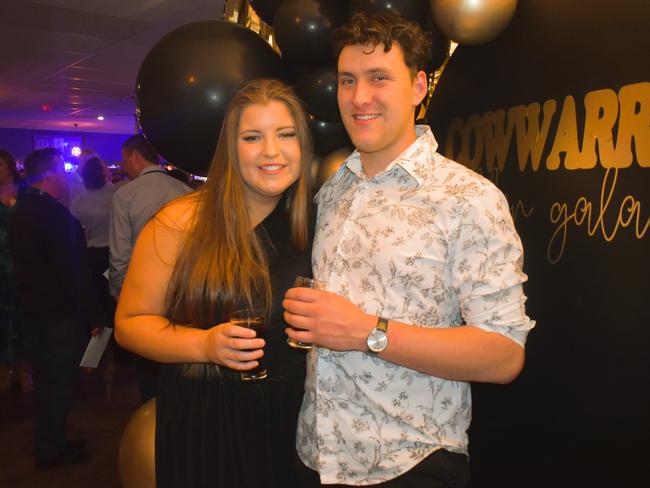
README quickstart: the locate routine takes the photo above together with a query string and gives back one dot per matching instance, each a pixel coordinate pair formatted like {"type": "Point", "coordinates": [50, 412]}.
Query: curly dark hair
{"type": "Point", "coordinates": [385, 28]}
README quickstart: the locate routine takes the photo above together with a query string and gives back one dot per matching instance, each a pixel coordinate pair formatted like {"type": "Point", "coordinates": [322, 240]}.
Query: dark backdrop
{"type": "Point", "coordinates": [578, 414]}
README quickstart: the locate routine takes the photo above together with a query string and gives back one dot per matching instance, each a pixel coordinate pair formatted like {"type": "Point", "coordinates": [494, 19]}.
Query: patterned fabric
{"type": "Point", "coordinates": [426, 242]}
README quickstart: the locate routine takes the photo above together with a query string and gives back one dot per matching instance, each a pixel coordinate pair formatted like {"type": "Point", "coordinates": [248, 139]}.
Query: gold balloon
{"type": "Point", "coordinates": [330, 163]}
{"type": "Point", "coordinates": [136, 458]}
{"type": "Point", "coordinates": [472, 21]}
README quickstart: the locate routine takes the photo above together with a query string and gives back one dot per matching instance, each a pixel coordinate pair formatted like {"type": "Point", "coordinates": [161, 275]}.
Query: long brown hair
{"type": "Point", "coordinates": [221, 261]}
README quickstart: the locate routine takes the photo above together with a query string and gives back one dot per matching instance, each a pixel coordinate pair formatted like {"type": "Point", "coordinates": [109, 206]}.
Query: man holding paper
{"type": "Point", "coordinates": [57, 305]}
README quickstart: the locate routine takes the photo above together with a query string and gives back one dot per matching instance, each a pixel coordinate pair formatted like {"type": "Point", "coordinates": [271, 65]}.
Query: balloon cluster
{"type": "Point", "coordinates": [302, 31]}
{"type": "Point", "coordinates": [188, 78]}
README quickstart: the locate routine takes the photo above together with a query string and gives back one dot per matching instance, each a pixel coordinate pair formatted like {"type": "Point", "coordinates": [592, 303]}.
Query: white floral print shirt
{"type": "Point", "coordinates": [426, 242]}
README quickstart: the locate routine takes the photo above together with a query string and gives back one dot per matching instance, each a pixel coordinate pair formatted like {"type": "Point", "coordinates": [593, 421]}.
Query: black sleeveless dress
{"type": "Point", "coordinates": [214, 430]}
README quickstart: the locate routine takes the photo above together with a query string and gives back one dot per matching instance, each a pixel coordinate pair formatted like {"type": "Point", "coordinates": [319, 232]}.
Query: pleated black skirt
{"type": "Point", "coordinates": [214, 430]}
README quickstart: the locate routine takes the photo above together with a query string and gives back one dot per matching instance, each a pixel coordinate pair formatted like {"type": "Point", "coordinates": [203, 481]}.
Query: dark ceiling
{"type": "Point", "coordinates": [66, 62]}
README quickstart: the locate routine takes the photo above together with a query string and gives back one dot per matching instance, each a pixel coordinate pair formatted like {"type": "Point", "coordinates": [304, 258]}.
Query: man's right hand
{"type": "Point", "coordinates": [326, 319]}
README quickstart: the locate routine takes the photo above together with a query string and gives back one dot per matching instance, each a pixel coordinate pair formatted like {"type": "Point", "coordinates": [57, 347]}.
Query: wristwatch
{"type": "Point", "coordinates": [378, 339]}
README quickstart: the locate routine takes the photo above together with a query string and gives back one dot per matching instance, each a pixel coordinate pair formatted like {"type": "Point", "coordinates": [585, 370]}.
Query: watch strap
{"type": "Point", "coordinates": [382, 324]}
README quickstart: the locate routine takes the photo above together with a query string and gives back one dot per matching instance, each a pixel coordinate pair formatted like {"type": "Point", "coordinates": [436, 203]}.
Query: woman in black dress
{"type": "Point", "coordinates": [238, 241]}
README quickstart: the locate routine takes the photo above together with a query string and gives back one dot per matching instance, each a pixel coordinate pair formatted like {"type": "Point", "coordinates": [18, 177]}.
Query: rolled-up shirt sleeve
{"type": "Point", "coordinates": [486, 267]}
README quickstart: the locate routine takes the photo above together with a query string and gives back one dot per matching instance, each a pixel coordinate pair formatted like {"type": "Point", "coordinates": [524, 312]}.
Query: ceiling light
{"type": "Point", "coordinates": [100, 117]}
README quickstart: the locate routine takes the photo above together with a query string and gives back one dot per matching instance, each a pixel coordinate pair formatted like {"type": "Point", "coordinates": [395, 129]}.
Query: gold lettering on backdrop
{"type": "Point", "coordinates": [496, 141]}
{"type": "Point", "coordinates": [520, 208]}
{"type": "Point", "coordinates": [634, 125]}
{"type": "Point", "coordinates": [629, 211]}
{"type": "Point", "coordinates": [616, 129]}
{"type": "Point", "coordinates": [490, 134]}
{"type": "Point", "coordinates": [530, 139]}
{"type": "Point", "coordinates": [601, 113]}
{"type": "Point", "coordinates": [565, 146]}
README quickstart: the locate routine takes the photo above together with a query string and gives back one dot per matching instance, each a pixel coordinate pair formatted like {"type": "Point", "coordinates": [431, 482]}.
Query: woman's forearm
{"type": "Point", "coordinates": [153, 337]}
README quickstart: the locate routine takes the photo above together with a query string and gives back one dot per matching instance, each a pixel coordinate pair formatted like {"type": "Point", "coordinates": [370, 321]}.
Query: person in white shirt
{"type": "Point", "coordinates": [92, 207]}
{"type": "Point", "coordinates": [424, 274]}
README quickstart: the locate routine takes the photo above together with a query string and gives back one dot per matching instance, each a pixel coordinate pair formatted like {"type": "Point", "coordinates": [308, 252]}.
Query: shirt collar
{"type": "Point", "coordinates": [408, 160]}
{"type": "Point", "coordinates": [152, 167]}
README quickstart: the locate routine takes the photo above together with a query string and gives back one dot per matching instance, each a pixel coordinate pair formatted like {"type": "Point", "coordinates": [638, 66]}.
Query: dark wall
{"type": "Point", "coordinates": [577, 178]}
{"type": "Point", "coordinates": [21, 141]}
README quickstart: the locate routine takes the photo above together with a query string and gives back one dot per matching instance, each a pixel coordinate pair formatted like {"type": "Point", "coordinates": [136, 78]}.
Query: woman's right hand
{"type": "Point", "coordinates": [233, 346]}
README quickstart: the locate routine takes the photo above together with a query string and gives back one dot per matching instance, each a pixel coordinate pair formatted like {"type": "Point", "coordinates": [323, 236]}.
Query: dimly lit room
{"type": "Point", "coordinates": [301, 243]}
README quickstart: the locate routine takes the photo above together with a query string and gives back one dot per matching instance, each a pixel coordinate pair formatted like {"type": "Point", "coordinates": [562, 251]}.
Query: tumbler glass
{"type": "Point", "coordinates": [252, 318]}
{"type": "Point", "coordinates": [304, 282]}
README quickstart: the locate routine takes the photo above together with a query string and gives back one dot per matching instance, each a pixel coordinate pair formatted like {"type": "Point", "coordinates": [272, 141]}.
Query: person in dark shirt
{"type": "Point", "coordinates": [57, 309]}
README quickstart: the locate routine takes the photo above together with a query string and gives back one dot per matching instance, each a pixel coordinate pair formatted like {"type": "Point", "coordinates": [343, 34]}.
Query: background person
{"type": "Point", "coordinates": [14, 366]}
{"type": "Point", "coordinates": [57, 307]}
{"type": "Point", "coordinates": [133, 204]}
{"type": "Point", "coordinates": [92, 207]}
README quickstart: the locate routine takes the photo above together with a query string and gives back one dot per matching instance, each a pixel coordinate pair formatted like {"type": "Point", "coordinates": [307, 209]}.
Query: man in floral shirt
{"type": "Point", "coordinates": [424, 274]}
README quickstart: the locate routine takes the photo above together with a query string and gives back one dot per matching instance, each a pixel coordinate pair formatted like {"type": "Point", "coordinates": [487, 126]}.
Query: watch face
{"type": "Point", "coordinates": [377, 340]}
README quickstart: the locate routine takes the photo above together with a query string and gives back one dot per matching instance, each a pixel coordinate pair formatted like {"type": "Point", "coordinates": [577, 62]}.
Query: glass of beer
{"type": "Point", "coordinates": [252, 318]}
{"type": "Point", "coordinates": [304, 282]}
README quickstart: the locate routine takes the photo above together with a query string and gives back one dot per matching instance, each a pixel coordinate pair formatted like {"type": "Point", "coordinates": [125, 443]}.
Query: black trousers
{"type": "Point", "coordinates": [441, 469]}
{"type": "Point", "coordinates": [56, 347]}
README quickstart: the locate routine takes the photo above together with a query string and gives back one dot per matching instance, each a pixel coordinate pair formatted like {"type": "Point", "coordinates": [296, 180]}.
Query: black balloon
{"type": "Point", "coordinates": [439, 51]}
{"type": "Point", "coordinates": [414, 10]}
{"type": "Point", "coordinates": [440, 44]}
{"type": "Point", "coordinates": [303, 28]}
{"type": "Point", "coordinates": [266, 9]}
{"type": "Point", "coordinates": [317, 88]}
{"type": "Point", "coordinates": [327, 136]}
{"type": "Point", "coordinates": [186, 82]}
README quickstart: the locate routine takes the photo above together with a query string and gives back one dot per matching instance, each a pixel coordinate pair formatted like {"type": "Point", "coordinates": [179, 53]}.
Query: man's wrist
{"type": "Point", "coordinates": [377, 340]}
{"type": "Point", "coordinates": [369, 323]}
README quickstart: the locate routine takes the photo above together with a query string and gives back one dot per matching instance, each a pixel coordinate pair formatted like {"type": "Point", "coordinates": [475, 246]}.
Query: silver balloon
{"type": "Point", "coordinates": [472, 21]}
{"type": "Point", "coordinates": [136, 457]}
